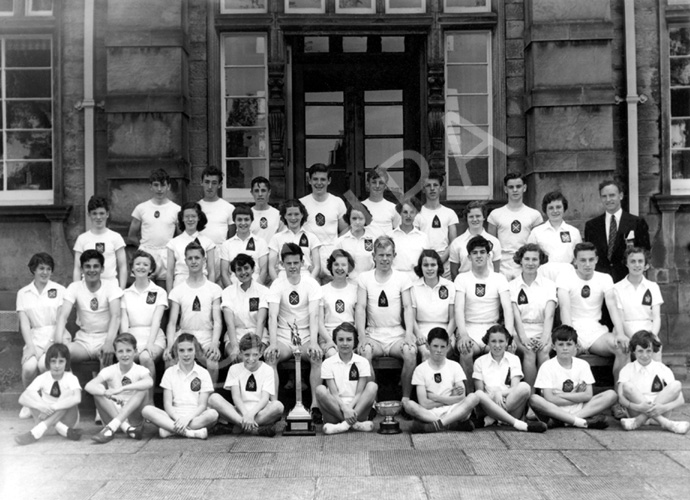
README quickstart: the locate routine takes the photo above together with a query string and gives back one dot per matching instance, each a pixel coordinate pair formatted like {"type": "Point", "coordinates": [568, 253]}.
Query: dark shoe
{"type": "Point", "coordinates": [463, 426]}
{"type": "Point", "coordinates": [554, 423]}
{"type": "Point", "coordinates": [266, 431]}
{"type": "Point", "coordinates": [222, 429]}
{"type": "Point", "coordinates": [598, 422]}
{"type": "Point", "coordinates": [105, 436]}
{"type": "Point", "coordinates": [74, 434]}
{"type": "Point", "coordinates": [417, 427]}
{"type": "Point", "coordinates": [136, 432]}
{"type": "Point", "coordinates": [403, 414]}
{"type": "Point", "coordinates": [316, 416]}
{"type": "Point", "coordinates": [536, 426]}
{"type": "Point", "coordinates": [24, 439]}
{"type": "Point", "coordinates": [618, 412]}
{"type": "Point", "coordinates": [372, 414]}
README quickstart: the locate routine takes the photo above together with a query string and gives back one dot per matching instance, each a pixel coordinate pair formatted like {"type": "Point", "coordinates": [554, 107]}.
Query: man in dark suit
{"type": "Point", "coordinates": [614, 230]}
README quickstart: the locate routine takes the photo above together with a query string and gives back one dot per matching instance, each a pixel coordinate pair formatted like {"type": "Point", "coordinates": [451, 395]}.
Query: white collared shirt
{"type": "Point", "coordinates": [431, 304]}
{"type": "Point", "coordinates": [607, 221]}
{"type": "Point", "coordinates": [361, 248]}
{"type": "Point", "coordinates": [186, 388]}
{"type": "Point", "coordinates": [141, 306]}
{"type": "Point", "coordinates": [557, 243]}
{"type": "Point", "coordinates": [642, 377]}
{"type": "Point", "coordinates": [497, 374]}
{"type": "Point", "coordinates": [531, 300]}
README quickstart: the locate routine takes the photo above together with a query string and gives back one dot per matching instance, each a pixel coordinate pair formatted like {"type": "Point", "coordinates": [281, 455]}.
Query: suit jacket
{"type": "Point", "coordinates": [595, 232]}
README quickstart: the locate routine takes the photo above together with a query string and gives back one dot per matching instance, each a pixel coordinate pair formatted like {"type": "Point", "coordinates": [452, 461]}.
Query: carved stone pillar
{"type": "Point", "coordinates": [435, 110]}
{"type": "Point", "coordinates": [276, 127]}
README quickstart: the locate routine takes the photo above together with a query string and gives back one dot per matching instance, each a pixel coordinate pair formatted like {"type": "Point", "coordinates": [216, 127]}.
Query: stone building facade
{"type": "Point", "coordinates": [96, 93]}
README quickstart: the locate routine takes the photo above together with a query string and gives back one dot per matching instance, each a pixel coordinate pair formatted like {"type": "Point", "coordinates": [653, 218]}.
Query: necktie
{"type": "Point", "coordinates": [613, 229]}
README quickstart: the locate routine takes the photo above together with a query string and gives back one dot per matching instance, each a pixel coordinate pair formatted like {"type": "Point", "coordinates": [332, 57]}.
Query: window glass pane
{"type": "Point", "coordinates": [380, 120]}
{"type": "Point", "coordinates": [354, 44]}
{"type": "Point", "coordinates": [29, 114]}
{"type": "Point", "coordinates": [680, 71]}
{"type": "Point", "coordinates": [393, 44]}
{"type": "Point", "coordinates": [680, 133]}
{"type": "Point", "coordinates": [29, 175]}
{"type": "Point", "coordinates": [246, 143]}
{"type": "Point", "coordinates": [41, 6]}
{"type": "Point", "coordinates": [22, 53]}
{"type": "Point", "coordinates": [245, 81]}
{"type": "Point", "coordinates": [457, 4]}
{"type": "Point", "coordinates": [468, 141]}
{"type": "Point", "coordinates": [468, 171]}
{"type": "Point", "coordinates": [383, 95]}
{"type": "Point", "coordinates": [25, 145]}
{"type": "Point", "coordinates": [323, 97]}
{"type": "Point", "coordinates": [470, 108]}
{"type": "Point", "coordinates": [28, 83]}
{"type": "Point", "coordinates": [247, 50]}
{"type": "Point", "coordinates": [249, 112]}
{"type": "Point", "coordinates": [324, 120]}
{"type": "Point", "coordinates": [2, 177]}
{"type": "Point", "coordinates": [396, 181]}
{"type": "Point", "coordinates": [466, 48]}
{"type": "Point", "coordinates": [377, 151]}
{"type": "Point", "coordinates": [326, 151]}
{"type": "Point", "coordinates": [680, 102]}
{"type": "Point", "coordinates": [680, 164]}
{"type": "Point", "coordinates": [239, 173]}
{"type": "Point", "coordinates": [467, 79]}
{"type": "Point", "coordinates": [315, 44]}
{"type": "Point", "coordinates": [679, 41]}
{"type": "Point", "coordinates": [6, 6]}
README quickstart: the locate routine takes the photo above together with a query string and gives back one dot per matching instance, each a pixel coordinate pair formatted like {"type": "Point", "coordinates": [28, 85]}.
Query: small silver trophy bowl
{"type": "Point", "coordinates": [388, 410]}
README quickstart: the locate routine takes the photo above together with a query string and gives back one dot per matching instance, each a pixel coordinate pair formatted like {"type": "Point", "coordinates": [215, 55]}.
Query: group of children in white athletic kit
{"type": "Point", "coordinates": [350, 284]}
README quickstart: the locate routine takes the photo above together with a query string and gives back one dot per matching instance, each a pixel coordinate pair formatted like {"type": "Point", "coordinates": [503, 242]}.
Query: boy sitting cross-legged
{"type": "Point", "coordinates": [349, 393]}
{"type": "Point", "coordinates": [443, 404]}
{"type": "Point", "coordinates": [252, 384]}
{"type": "Point", "coordinates": [53, 398]}
{"type": "Point", "coordinates": [648, 389]}
{"type": "Point", "coordinates": [565, 383]}
{"type": "Point", "coordinates": [120, 391]}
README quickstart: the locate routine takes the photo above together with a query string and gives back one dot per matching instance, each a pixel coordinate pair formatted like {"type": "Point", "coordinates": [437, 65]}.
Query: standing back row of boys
{"type": "Point", "coordinates": [392, 326]}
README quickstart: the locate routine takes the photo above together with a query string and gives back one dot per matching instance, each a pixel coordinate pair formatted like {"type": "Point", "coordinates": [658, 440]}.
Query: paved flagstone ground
{"type": "Point", "coordinates": [487, 464]}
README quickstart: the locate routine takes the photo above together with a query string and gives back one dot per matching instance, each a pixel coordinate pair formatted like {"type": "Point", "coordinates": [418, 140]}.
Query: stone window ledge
{"type": "Point", "coordinates": [34, 213]}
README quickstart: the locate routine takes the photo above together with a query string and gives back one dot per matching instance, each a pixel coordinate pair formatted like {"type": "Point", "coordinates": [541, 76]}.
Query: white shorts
{"type": "Point", "coordinates": [387, 345]}
{"type": "Point", "coordinates": [92, 342]}
{"type": "Point", "coordinates": [204, 337]}
{"type": "Point", "coordinates": [141, 333]}
{"type": "Point", "coordinates": [184, 411]}
{"type": "Point", "coordinates": [573, 409]}
{"type": "Point", "coordinates": [588, 332]}
{"type": "Point", "coordinates": [476, 331]}
{"type": "Point", "coordinates": [442, 411]}
{"type": "Point", "coordinates": [636, 326]}
{"type": "Point", "coordinates": [533, 330]}
{"type": "Point", "coordinates": [42, 341]}
{"type": "Point", "coordinates": [285, 337]}
{"type": "Point", "coordinates": [160, 255]}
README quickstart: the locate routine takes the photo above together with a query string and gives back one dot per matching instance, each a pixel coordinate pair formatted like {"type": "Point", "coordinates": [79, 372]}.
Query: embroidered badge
{"type": "Point", "coordinates": [586, 292]}
{"type": "Point", "coordinates": [443, 292]}
{"type": "Point", "coordinates": [151, 297]}
{"type": "Point", "coordinates": [196, 305]}
{"type": "Point", "coordinates": [251, 246]}
{"type": "Point", "coordinates": [251, 384]}
{"type": "Point", "coordinates": [196, 240]}
{"type": "Point", "coordinates": [304, 241]}
{"type": "Point", "coordinates": [263, 223]}
{"type": "Point", "coordinates": [383, 300]}
{"type": "Point", "coordinates": [52, 293]}
{"type": "Point", "coordinates": [320, 220]}
{"type": "Point", "coordinates": [94, 304]}
{"type": "Point", "coordinates": [195, 384]}
{"type": "Point", "coordinates": [647, 298]}
{"type": "Point", "coordinates": [568, 386]}
{"type": "Point", "coordinates": [437, 378]}
{"type": "Point", "coordinates": [480, 289]}
{"type": "Point", "coordinates": [125, 381]}
{"type": "Point", "coordinates": [55, 390]}
{"type": "Point", "coordinates": [339, 306]}
{"type": "Point", "coordinates": [565, 237]}
{"type": "Point", "coordinates": [368, 244]}
{"type": "Point", "coordinates": [293, 298]}
{"type": "Point", "coordinates": [515, 227]}
{"type": "Point", "coordinates": [436, 223]}
{"type": "Point", "coordinates": [253, 304]}
{"type": "Point", "coordinates": [508, 377]}
{"type": "Point", "coordinates": [156, 214]}
{"type": "Point", "coordinates": [100, 247]}
{"type": "Point", "coordinates": [658, 384]}
{"type": "Point", "coordinates": [354, 372]}
{"type": "Point", "coordinates": [522, 298]}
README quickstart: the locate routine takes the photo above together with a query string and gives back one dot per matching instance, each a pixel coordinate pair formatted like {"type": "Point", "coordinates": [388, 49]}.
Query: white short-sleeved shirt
{"type": "Point", "coordinates": [346, 375]}
{"type": "Point", "coordinates": [586, 296]}
{"type": "Point", "coordinates": [245, 305]}
{"type": "Point", "coordinates": [93, 308]}
{"type": "Point", "coordinates": [384, 217]}
{"type": "Point", "coordinates": [497, 375]}
{"type": "Point", "coordinates": [43, 385]}
{"type": "Point", "coordinates": [384, 303]}
{"type": "Point", "coordinates": [439, 382]}
{"type": "Point", "coordinates": [482, 296]}
{"type": "Point", "coordinates": [512, 229]}
{"type": "Point", "coordinates": [141, 306]}
{"type": "Point", "coordinates": [250, 391]}
{"type": "Point", "coordinates": [435, 223]}
{"type": "Point", "coordinates": [557, 243]}
{"type": "Point", "coordinates": [408, 248]}
{"type": "Point", "coordinates": [323, 217]}
{"type": "Point", "coordinates": [531, 300]}
{"type": "Point", "coordinates": [637, 303]}
{"type": "Point", "coordinates": [178, 245]}
{"type": "Point", "coordinates": [196, 308]}
{"type": "Point", "coordinates": [339, 304]}
{"type": "Point", "coordinates": [305, 239]}
{"type": "Point", "coordinates": [114, 378]}
{"type": "Point", "coordinates": [219, 215]}
{"type": "Point", "coordinates": [186, 388]}
{"type": "Point", "coordinates": [650, 380]}
{"type": "Point", "coordinates": [41, 309]}
{"type": "Point", "coordinates": [107, 244]}
{"type": "Point", "coordinates": [431, 304]}
{"type": "Point", "coordinates": [458, 250]}
{"type": "Point", "coordinates": [266, 223]}
{"type": "Point", "coordinates": [552, 375]}
{"type": "Point", "coordinates": [294, 301]}
{"type": "Point", "coordinates": [158, 223]}
{"type": "Point", "coordinates": [253, 246]}
{"type": "Point", "coordinates": [361, 249]}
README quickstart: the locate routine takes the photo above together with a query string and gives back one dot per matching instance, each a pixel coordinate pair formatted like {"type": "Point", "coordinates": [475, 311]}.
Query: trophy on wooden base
{"type": "Point", "coordinates": [388, 410]}
{"type": "Point", "coordinates": [299, 422]}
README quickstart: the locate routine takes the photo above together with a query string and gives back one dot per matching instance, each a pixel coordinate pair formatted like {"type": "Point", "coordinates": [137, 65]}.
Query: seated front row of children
{"type": "Point", "coordinates": [564, 395]}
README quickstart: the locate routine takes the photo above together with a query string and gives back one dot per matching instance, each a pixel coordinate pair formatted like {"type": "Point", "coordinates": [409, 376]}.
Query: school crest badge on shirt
{"type": "Point", "coordinates": [436, 222]}
{"type": "Point", "coordinates": [515, 227]}
{"type": "Point", "coordinates": [156, 214]}
{"type": "Point", "coordinates": [565, 237]}
{"type": "Point", "coordinates": [522, 298]}
{"type": "Point", "coordinates": [52, 293]}
{"type": "Point", "coordinates": [568, 386]}
{"type": "Point", "coordinates": [304, 241]}
{"type": "Point", "coordinates": [151, 297]}
{"type": "Point", "coordinates": [253, 304]}
{"type": "Point", "coordinates": [251, 384]}
{"type": "Point", "coordinates": [354, 373]}
{"type": "Point", "coordinates": [647, 298]}
{"type": "Point", "coordinates": [55, 390]}
{"type": "Point", "coordinates": [263, 223]}
{"type": "Point", "coordinates": [320, 219]}
{"type": "Point", "coordinates": [195, 384]}
{"type": "Point", "coordinates": [480, 289]}
{"type": "Point", "coordinates": [585, 292]}
{"type": "Point", "coordinates": [383, 299]}
{"type": "Point", "coordinates": [443, 292]}
{"type": "Point", "coordinates": [125, 381]}
{"type": "Point", "coordinates": [437, 378]}
{"type": "Point", "coordinates": [251, 246]}
{"type": "Point", "coordinates": [293, 298]}
{"type": "Point", "coordinates": [508, 377]}
{"type": "Point", "coordinates": [94, 304]}
{"type": "Point", "coordinates": [658, 384]}
{"type": "Point", "coordinates": [368, 244]}
{"type": "Point", "coordinates": [196, 305]}
{"type": "Point", "coordinates": [339, 306]}
{"type": "Point", "coordinates": [100, 247]}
